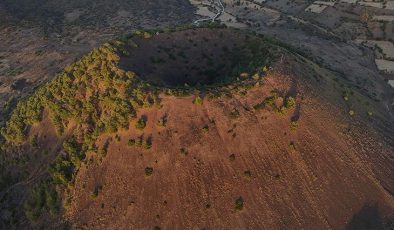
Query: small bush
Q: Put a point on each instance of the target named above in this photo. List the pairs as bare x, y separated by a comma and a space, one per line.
290, 102
141, 124
147, 144
281, 110
139, 141
34, 141
131, 142
292, 146
161, 122
96, 191
293, 125
247, 173
232, 157
351, 112
205, 129
234, 114
148, 171
198, 100
104, 150
239, 203
184, 151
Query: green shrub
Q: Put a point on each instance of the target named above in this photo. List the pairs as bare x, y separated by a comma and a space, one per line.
139, 141
268, 101
247, 173
290, 102
232, 157
147, 144
293, 125
96, 191
205, 129
74, 151
131, 142
141, 124
281, 110
184, 151
234, 114
34, 141
161, 122
292, 146
239, 203
198, 101
115, 95
62, 170
148, 171
104, 150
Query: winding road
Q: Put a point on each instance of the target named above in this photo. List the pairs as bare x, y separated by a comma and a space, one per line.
213, 18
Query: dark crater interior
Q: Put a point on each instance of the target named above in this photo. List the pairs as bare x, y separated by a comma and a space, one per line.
195, 57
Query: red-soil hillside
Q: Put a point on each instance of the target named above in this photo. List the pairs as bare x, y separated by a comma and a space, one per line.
300, 148
339, 172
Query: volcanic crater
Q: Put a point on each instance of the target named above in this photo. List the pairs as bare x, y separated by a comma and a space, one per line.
195, 57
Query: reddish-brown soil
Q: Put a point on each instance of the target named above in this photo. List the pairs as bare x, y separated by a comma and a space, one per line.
339, 173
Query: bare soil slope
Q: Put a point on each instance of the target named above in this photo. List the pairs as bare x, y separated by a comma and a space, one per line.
336, 169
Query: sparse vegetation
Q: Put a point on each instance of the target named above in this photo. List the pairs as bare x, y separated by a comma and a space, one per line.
42, 199
95, 95
278, 108
114, 96
140, 142
232, 157
34, 141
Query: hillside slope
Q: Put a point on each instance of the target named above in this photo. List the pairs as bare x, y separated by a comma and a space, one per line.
275, 143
